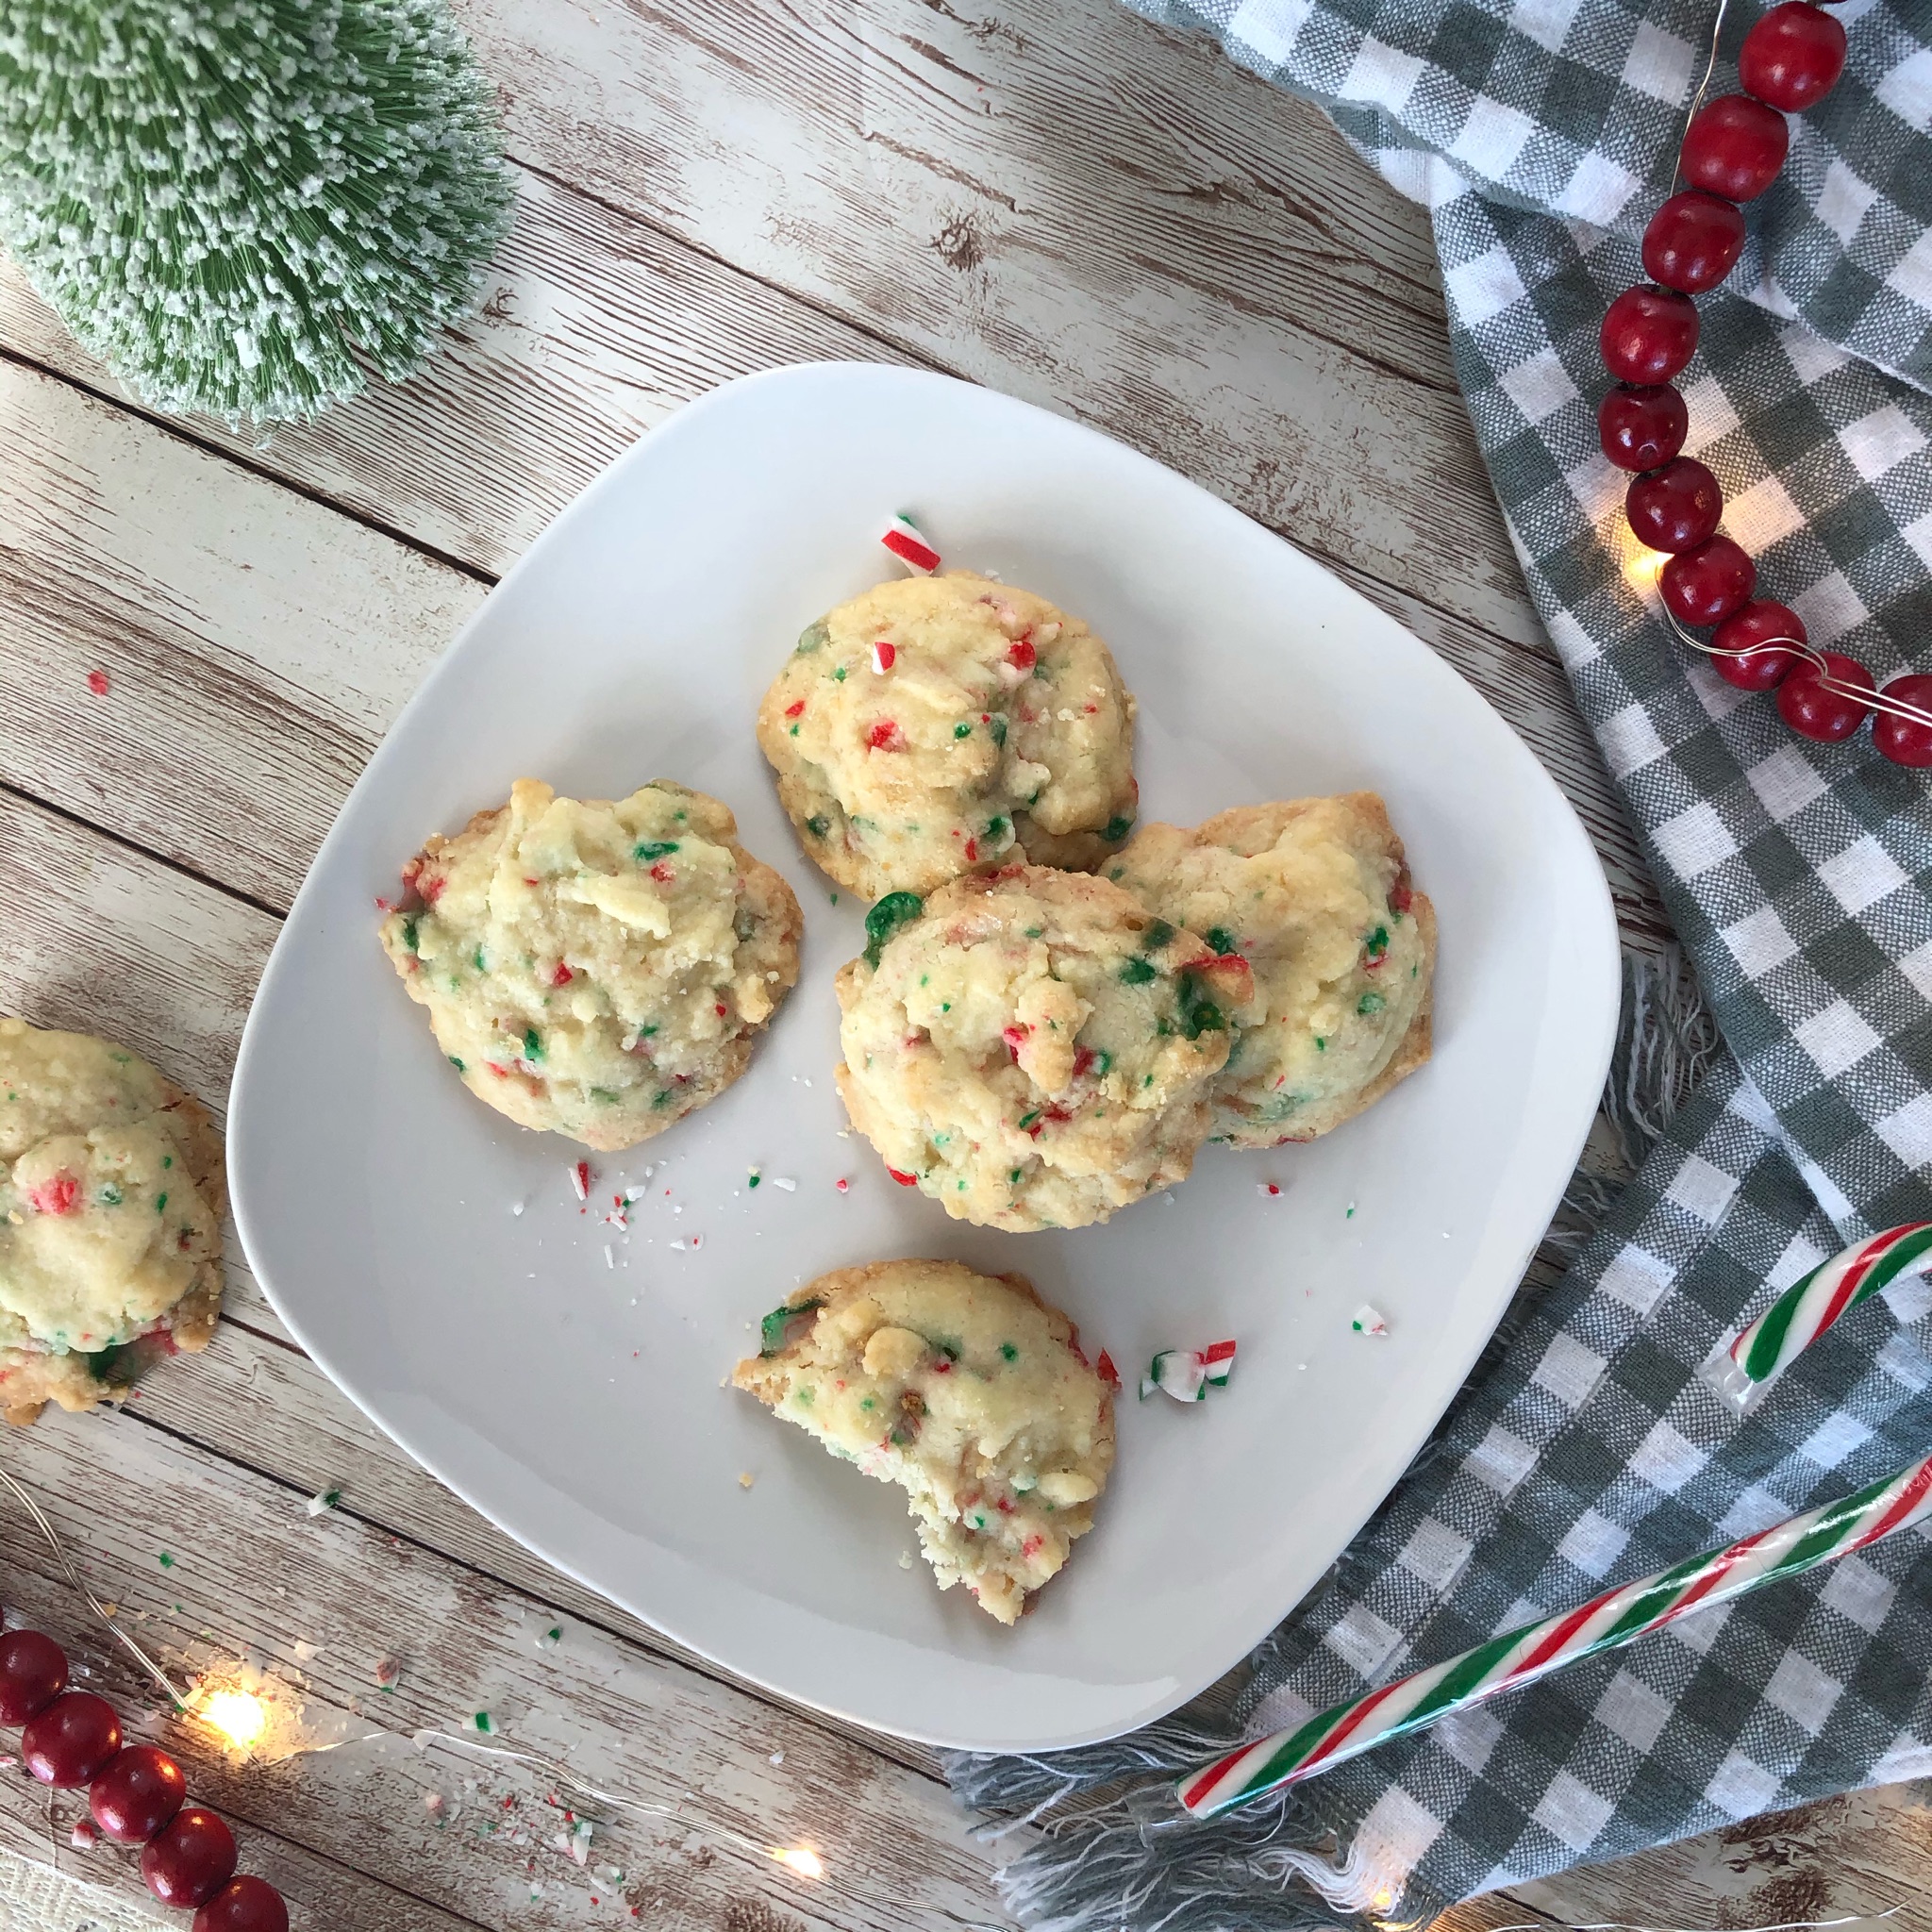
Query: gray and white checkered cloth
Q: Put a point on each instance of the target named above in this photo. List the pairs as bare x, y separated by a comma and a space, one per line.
1541, 134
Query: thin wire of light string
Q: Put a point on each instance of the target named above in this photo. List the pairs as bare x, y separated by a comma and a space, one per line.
1871, 699
1717, 29
1864, 695
179, 1698
552, 1768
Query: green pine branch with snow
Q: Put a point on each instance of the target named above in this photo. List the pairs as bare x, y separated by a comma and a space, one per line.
248, 207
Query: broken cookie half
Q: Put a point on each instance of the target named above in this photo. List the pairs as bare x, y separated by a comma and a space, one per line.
964, 1389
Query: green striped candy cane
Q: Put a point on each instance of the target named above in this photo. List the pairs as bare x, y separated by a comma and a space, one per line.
1518, 1656
1812, 1304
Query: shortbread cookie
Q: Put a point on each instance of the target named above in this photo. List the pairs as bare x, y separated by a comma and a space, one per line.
964, 1389
112, 1198
592, 969
941, 725
1314, 895
1034, 1049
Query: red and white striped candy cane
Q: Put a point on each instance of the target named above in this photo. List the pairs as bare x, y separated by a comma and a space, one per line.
1813, 1303
1518, 1656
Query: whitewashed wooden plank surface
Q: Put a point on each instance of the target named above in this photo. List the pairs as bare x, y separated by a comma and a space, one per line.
144, 573
251, 1576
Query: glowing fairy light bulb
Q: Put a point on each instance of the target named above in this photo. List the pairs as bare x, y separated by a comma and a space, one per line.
238, 1715
802, 1859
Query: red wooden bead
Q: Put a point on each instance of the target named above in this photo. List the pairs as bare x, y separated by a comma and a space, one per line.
191, 1859
33, 1671
1641, 428
1901, 740
67, 1744
1751, 626
1793, 57
1705, 585
243, 1905
1675, 508
1693, 241
136, 1794
1734, 147
1648, 334
1812, 711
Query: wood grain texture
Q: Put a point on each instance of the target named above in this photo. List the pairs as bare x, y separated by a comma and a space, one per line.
1142, 180
318, 1600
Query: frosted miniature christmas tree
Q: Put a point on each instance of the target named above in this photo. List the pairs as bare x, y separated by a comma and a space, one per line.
247, 207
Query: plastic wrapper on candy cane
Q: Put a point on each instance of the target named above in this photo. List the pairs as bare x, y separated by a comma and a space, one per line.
1747, 1366
1520, 1657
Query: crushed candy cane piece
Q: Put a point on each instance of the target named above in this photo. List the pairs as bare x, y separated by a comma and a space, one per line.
1187, 1373
322, 1501
433, 1802
843, 1186
387, 1673
904, 540
97, 683
786, 1182
84, 1836
1268, 1187
1105, 1369
581, 1180
1369, 1320
884, 654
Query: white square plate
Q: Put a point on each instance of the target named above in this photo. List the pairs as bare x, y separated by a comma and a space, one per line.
564, 1376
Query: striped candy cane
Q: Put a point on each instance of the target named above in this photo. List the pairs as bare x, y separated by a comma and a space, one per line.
1518, 1656
1811, 1305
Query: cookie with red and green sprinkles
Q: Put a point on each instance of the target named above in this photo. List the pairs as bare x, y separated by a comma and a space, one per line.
112, 1198
595, 968
937, 726
1034, 1049
964, 1389
1314, 895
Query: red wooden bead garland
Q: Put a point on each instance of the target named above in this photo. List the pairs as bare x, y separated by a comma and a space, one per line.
1675, 508
1792, 58
68, 1743
1817, 703
1704, 585
33, 1671
1641, 428
1693, 241
137, 1794
1906, 740
1648, 334
190, 1859
1751, 630
243, 1905
73, 1737
1734, 147
1731, 152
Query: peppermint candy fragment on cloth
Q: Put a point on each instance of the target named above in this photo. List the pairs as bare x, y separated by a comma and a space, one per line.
1187, 1373
904, 538
1369, 1320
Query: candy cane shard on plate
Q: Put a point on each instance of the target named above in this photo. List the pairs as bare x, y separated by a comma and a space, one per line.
1187, 1373
1615, 1617
1810, 1306
904, 538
